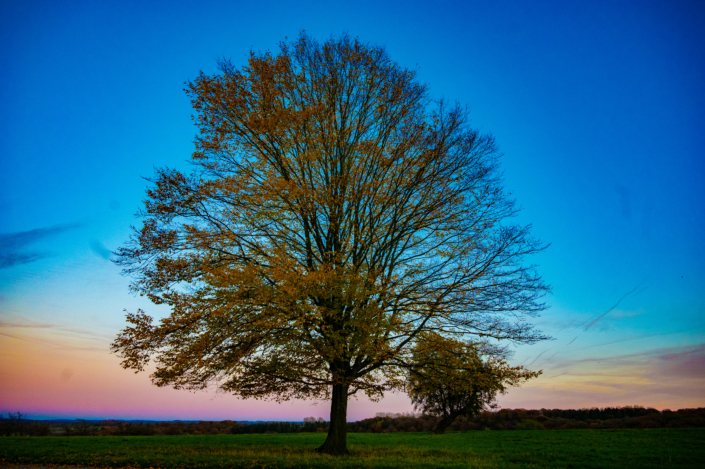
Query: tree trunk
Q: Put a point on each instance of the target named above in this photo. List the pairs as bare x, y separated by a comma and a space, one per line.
445, 422
336, 442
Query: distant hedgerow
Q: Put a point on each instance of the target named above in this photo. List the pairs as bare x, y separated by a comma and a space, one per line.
16, 424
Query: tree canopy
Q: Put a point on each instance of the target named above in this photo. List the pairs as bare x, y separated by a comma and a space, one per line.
334, 213
450, 378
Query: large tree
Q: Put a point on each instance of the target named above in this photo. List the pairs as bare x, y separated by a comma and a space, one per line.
335, 213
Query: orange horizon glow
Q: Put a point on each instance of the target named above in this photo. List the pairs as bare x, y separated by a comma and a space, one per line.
45, 374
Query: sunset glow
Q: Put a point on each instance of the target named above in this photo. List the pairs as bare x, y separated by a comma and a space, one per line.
597, 108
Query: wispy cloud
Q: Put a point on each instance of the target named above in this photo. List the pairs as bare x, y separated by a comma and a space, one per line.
633, 291
537, 357
21, 323
35, 340
99, 249
8, 259
688, 363
551, 357
671, 377
633, 338
684, 362
12, 243
31, 326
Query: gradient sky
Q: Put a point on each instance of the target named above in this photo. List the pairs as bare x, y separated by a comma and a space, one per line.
598, 107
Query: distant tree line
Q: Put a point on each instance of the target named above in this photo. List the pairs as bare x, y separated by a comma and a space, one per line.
16, 424
504, 419
604, 418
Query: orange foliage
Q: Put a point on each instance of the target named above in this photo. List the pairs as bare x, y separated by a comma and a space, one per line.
335, 213
450, 378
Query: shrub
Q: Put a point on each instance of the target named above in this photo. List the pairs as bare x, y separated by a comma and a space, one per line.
529, 425
575, 424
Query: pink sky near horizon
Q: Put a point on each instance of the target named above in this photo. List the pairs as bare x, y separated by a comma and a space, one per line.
43, 376
54, 373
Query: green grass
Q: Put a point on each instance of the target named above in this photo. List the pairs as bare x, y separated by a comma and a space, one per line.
643, 448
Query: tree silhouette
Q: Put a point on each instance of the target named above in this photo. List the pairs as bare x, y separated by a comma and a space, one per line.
451, 378
334, 213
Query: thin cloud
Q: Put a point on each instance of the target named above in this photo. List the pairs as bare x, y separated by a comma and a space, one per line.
27, 324
30, 326
633, 291
683, 364
55, 344
668, 355
559, 351
653, 375
549, 358
99, 249
569, 325
11, 243
8, 259
537, 357
636, 337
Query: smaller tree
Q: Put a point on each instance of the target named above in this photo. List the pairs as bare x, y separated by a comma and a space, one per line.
450, 378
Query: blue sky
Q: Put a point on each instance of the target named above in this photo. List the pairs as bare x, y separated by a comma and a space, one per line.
598, 107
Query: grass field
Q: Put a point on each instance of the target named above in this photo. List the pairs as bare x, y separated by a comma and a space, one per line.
643, 448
